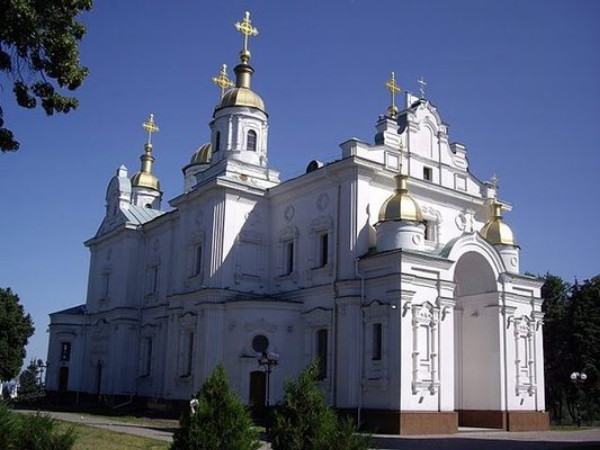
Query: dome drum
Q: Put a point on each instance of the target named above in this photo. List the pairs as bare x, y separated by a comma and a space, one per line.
395, 234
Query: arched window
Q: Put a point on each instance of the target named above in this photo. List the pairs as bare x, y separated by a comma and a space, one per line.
217, 141
251, 141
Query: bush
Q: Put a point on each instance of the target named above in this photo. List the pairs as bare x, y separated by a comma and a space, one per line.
304, 421
32, 432
220, 421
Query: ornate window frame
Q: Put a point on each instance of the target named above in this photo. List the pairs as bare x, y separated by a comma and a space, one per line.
425, 371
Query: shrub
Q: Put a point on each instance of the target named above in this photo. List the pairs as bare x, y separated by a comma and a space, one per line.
219, 422
32, 432
303, 421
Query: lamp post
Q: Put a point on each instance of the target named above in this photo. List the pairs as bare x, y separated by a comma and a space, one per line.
41, 367
578, 378
268, 360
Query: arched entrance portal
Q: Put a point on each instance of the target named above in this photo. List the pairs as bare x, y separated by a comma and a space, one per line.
478, 382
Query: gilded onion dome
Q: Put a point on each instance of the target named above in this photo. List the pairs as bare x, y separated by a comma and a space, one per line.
203, 155
495, 231
145, 178
401, 206
242, 94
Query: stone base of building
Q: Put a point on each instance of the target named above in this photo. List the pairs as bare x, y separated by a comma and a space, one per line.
505, 420
405, 422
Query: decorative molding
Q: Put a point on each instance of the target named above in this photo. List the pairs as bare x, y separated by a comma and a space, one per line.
260, 324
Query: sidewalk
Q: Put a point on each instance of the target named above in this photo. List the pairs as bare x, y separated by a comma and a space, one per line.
467, 440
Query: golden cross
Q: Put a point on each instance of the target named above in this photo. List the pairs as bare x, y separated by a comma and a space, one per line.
394, 89
150, 127
245, 27
222, 80
422, 85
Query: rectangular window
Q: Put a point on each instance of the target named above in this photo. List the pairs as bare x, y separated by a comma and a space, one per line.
427, 173
324, 249
322, 354
198, 261
289, 267
190, 353
377, 341
65, 351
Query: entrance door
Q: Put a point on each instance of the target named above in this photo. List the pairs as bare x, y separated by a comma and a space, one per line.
258, 392
63, 380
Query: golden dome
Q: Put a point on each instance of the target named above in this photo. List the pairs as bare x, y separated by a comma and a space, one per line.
240, 96
145, 180
401, 206
496, 231
203, 155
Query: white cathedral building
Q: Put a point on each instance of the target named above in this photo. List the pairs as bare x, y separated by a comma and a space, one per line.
392, 266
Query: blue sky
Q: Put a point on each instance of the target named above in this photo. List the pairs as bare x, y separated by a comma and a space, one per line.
517, 82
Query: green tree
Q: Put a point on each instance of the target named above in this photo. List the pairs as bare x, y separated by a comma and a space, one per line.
303, 421
555, 293
16, 328
38, 44
29, 388
32, 432
219, 420
584, 320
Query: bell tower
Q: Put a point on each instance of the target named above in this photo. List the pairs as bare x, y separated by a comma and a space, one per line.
239, 126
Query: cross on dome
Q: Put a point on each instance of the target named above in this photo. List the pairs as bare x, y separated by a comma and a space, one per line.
151, 127
222, 80
245, 27
394, 89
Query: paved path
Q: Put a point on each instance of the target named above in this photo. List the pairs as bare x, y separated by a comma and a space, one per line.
500, 440
494, 440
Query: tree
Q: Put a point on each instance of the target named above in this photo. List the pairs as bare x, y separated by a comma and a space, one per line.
38, 44
303, 421
218, 421
555, 293
32, 432
572, 344
16, 328
584, 319
29, 388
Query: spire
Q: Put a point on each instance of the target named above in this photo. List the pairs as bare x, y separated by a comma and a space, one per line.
394, 89
145, 178
243, 71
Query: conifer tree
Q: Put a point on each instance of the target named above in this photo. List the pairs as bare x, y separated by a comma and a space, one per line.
218, 421
304, 421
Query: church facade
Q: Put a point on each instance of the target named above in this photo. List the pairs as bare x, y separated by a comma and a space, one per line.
391, 266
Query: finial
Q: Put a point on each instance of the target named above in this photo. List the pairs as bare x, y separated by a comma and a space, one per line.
150, 127
422, 85
394, 89
245, 27
494, 182
222, 80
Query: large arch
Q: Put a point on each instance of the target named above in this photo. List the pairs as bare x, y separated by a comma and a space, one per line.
477, 331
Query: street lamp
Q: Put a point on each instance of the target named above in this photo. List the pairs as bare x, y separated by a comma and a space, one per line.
41, 367
268, 360
578, 378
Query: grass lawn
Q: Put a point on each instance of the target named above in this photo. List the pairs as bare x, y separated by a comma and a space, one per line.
92, 438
